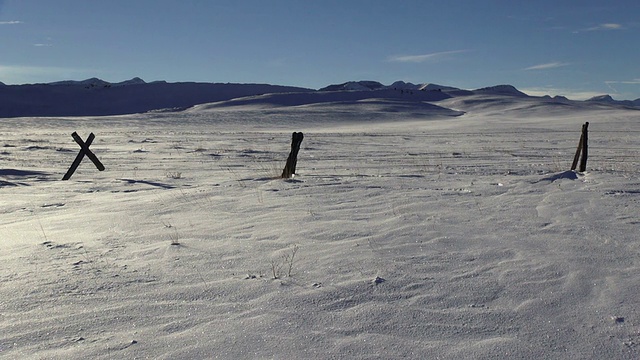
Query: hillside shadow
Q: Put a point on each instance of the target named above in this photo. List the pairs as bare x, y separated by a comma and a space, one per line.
14, 173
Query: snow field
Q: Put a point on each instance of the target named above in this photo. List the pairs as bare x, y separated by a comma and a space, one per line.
444, 237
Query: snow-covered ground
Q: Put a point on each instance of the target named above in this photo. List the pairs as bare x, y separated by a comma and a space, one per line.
409, 232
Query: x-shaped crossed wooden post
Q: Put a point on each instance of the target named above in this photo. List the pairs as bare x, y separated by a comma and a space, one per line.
84, 150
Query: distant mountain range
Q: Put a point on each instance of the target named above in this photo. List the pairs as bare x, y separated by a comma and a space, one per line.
96, 97
499, 89
607, 99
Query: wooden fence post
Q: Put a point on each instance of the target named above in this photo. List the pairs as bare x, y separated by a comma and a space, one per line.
292, 160
582, 151
585, 147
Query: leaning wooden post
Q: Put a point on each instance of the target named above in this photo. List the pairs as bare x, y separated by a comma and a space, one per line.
576, 157
292, 160
581, 150
585, 147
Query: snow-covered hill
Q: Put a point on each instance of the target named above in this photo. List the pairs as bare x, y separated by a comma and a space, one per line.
428, 100
383, 97
363, 85
96, 97
501, 89
368, 85
607, 99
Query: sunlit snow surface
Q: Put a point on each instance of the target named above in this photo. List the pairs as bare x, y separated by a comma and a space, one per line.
420, 234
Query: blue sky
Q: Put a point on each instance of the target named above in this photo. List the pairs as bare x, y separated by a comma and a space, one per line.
573, 48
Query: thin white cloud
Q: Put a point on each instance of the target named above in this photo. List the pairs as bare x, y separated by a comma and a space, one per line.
14, 22
551, 65
42, 45
602, 27
608, 26
423, 57
627, 82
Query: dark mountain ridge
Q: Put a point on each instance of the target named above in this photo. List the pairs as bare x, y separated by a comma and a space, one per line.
96, 97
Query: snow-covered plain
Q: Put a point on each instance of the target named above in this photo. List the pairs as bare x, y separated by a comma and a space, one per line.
415, 232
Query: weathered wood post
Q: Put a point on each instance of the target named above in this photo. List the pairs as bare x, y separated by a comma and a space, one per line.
292, 160
585, 147
582, 151
576, 157
84, 150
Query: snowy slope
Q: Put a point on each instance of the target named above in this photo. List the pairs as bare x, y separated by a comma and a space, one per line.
452, 238
384, 97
